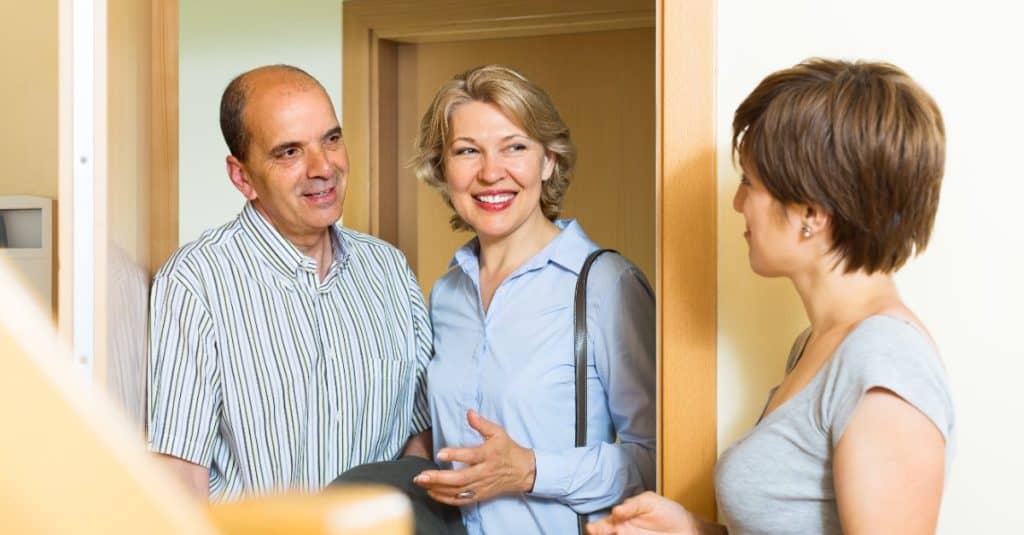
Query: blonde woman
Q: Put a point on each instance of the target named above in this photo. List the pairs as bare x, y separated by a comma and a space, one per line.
501, 383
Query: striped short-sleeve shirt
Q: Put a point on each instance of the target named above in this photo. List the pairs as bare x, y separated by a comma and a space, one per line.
274, 379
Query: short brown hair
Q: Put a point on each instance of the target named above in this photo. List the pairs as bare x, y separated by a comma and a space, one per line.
232, 107
525, 103
862, 141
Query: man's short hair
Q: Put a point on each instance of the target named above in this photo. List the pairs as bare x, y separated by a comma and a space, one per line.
860, 140
232, 107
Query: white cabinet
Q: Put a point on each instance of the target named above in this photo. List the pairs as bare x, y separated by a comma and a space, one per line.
26, 243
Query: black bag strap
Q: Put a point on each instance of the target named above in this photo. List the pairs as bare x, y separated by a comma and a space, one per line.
580, 349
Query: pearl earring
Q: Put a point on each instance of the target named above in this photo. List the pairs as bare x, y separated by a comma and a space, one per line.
805, 231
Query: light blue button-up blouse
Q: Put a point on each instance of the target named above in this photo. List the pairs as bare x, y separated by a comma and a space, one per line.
514, 365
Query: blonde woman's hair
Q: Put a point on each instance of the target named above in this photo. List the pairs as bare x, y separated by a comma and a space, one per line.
523, 102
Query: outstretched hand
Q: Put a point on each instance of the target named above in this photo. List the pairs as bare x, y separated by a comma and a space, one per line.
496, 467
648, 514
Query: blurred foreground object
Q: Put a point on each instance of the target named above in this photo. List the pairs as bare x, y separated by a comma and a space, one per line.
68, 464
357, 510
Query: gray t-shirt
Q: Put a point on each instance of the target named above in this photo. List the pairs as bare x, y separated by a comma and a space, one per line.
778, 478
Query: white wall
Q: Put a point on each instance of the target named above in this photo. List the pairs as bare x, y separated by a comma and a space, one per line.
967, 286
219, 40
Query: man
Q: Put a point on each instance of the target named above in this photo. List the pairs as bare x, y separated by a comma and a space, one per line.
285, 349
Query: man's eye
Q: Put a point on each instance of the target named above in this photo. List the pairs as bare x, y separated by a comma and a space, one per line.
334, 139
288, 153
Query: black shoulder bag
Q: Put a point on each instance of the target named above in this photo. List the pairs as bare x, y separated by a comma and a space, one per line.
580, 349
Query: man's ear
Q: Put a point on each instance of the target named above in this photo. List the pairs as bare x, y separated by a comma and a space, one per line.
240, 178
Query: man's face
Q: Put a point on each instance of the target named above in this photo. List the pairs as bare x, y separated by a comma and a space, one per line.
296, 166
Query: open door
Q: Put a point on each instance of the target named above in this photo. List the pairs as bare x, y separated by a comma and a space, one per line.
386, 41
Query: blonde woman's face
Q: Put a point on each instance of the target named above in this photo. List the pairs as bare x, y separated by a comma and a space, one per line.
494, 172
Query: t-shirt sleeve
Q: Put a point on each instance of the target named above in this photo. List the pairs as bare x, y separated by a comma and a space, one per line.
896, 358
183, 375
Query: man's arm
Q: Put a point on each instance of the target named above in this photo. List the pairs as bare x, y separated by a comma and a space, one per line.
420, 445
183, 385
194, 477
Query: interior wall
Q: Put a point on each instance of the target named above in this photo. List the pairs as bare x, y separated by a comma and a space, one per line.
966, 287
606, 98
29, 107
219, 40
28, 99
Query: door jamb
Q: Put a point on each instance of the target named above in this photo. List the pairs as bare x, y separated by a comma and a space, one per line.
686, 182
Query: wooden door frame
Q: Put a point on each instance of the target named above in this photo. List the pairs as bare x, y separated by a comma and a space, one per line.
373, 29
686, 178
686, 254
163, 179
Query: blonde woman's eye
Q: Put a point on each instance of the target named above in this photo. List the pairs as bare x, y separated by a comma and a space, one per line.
517, 147
464, 150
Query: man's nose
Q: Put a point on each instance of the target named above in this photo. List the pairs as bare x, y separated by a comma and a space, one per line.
318, 165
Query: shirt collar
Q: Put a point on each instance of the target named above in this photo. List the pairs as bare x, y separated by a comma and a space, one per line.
280, 252
569, 250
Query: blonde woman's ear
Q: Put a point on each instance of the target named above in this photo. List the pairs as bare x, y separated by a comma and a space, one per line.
549, 166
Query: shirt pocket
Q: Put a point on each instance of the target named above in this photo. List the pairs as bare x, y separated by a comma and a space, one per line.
376, 407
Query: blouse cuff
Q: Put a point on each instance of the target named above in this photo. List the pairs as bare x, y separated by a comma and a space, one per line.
552, 479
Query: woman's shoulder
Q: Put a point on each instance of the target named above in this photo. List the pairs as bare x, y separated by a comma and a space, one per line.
889, 338
611, 268
890, 353
449, 283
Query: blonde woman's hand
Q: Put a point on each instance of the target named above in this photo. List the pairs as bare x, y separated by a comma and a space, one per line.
498, 466
650, 514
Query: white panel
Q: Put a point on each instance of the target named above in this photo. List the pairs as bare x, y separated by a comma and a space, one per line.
26, 244
83, 62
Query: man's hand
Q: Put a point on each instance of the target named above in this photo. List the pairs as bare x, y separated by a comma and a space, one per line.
496, 467
195, 478
650, 514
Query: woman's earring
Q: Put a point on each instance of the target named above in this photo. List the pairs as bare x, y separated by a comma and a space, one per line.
805, 231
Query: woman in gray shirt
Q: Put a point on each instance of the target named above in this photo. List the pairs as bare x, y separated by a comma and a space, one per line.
842, 165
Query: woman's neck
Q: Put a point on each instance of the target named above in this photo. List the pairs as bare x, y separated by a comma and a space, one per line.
833, 299
501, 256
